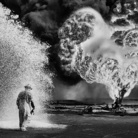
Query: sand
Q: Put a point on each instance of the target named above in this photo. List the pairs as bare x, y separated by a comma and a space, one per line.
78, 126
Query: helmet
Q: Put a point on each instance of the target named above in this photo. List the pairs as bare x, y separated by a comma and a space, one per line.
28, 86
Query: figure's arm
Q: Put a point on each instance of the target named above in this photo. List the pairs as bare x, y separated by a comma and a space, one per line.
33, 107
17, 101
32, 104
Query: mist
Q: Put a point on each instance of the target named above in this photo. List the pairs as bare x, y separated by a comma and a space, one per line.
89, 93
22, 59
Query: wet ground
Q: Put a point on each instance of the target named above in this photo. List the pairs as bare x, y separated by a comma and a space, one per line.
78, 126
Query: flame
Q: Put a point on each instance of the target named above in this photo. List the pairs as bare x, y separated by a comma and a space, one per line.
110, 64
82, 28
109, 71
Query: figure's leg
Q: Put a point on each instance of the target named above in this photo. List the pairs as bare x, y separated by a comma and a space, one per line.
27, 117
22, 121
25, 120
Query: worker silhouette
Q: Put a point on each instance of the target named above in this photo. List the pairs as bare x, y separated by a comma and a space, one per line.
26, 107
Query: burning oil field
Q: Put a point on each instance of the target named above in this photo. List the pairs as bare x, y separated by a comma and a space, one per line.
89, 48
80, 58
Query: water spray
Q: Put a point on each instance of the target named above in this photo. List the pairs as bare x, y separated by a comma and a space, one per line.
22, 60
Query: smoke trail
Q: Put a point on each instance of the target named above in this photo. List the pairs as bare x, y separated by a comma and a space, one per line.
22, 58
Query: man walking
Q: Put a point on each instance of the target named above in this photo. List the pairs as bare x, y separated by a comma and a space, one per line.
26, 107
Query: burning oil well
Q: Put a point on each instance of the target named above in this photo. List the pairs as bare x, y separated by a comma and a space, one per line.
89, 48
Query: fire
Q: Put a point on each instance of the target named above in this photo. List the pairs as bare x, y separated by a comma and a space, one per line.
114, 68
101, 60
77, 30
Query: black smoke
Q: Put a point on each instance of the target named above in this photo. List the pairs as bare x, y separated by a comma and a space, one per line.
45, 17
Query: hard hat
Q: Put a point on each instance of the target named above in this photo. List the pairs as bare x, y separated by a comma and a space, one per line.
28, 86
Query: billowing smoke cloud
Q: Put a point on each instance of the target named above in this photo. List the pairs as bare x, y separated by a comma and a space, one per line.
83, 28
45, 17
91, 54
110, 65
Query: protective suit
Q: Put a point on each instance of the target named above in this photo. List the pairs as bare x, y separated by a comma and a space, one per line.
26, 106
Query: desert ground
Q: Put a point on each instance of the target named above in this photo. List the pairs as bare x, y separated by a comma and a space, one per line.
79, 126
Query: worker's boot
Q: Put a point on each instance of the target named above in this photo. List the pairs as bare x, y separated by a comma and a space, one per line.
23, 129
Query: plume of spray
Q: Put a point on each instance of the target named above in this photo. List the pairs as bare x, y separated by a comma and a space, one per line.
22, 58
